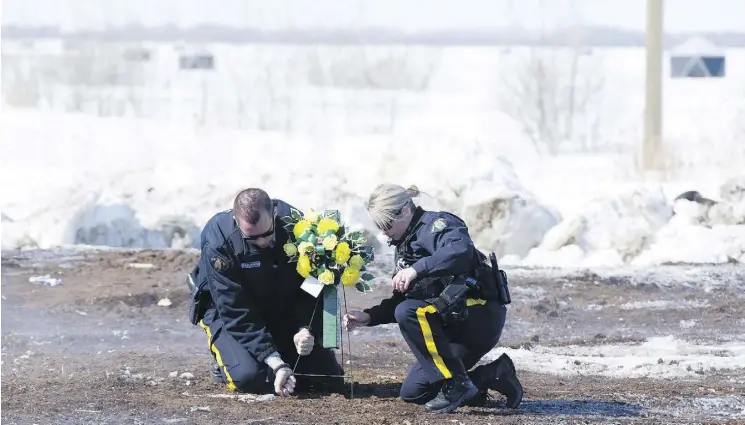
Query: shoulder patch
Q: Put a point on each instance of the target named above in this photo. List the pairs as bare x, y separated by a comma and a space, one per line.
438, 225
218, 264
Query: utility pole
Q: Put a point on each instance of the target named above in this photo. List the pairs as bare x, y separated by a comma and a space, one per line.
653, 102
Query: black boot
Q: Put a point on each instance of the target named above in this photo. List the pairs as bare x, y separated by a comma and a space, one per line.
215, 371
500, 375
453, 394
479, 400
482, 382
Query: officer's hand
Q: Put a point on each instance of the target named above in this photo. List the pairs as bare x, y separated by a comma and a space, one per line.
284, 381
304, 342
355, 319
403, 278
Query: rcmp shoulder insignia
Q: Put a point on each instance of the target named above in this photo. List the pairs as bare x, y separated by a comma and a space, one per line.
438, 225
219, 264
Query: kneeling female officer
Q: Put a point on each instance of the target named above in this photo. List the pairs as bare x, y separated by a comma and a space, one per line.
434, 257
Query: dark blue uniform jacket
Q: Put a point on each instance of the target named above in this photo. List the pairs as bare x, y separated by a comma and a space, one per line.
256, 292
436, 244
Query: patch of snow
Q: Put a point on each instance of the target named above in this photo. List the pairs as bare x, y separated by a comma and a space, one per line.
679, 359
528, 292
663, 305
733, 190
624, 222
689, 243
164, 302
567, 256
510, 260
707, 407
45, 280
609, 232
689, 212
502, 215
565, 233
687, 324
654, 305
603, 258
709, 277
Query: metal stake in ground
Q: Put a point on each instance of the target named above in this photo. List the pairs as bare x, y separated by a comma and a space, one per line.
349, 345
312, 315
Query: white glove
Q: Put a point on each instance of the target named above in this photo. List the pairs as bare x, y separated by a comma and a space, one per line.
303, 342
284, 381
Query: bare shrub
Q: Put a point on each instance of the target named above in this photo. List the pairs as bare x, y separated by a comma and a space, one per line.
21, 84
390, 68
85, 77
552, 93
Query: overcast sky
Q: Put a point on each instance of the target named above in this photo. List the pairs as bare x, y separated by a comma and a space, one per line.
680, 15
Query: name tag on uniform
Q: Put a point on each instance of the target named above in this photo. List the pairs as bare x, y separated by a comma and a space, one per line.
251, 265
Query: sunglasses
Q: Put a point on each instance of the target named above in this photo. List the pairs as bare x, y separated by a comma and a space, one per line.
266, 234
389, 224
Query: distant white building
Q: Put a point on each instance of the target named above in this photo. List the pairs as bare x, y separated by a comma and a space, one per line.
197, 61
697, 58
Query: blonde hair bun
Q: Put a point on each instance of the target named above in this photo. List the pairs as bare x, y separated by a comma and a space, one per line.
387, 200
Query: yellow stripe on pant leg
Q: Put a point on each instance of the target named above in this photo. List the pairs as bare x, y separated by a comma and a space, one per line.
429, 340
475, 301
231, 384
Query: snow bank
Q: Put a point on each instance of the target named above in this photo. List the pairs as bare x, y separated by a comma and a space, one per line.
504, 216
640, 227
658, 357
76, 179
702, 233
129, 183
609, 232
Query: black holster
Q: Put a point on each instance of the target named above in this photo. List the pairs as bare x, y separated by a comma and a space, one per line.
199, 297
500, 277
451, 303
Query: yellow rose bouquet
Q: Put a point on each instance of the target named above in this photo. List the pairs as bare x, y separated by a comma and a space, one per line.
322, 248
325, 250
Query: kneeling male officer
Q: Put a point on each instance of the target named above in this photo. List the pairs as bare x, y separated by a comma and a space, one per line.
247, 298
448, 303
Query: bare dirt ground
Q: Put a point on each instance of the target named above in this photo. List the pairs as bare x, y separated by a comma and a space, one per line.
98, 349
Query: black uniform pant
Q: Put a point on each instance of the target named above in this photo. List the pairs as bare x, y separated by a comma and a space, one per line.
445, 352
243, 373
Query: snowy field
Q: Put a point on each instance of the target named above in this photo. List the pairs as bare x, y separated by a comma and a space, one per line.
105, 153
101, 151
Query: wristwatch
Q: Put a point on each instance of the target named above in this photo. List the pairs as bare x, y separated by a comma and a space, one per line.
280, 366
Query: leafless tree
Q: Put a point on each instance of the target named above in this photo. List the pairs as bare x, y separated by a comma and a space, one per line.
21, 84
99, 78
551, 91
